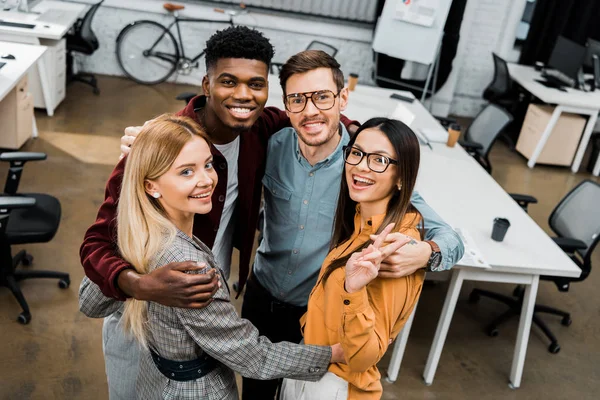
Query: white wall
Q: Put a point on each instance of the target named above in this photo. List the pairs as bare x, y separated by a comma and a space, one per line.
486, 27
487, 24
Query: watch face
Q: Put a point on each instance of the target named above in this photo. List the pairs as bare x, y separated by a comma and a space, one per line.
436, 259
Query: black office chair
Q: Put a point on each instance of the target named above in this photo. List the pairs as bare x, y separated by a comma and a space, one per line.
483, 131
503, 92
576, 221
275, 66
83, 40
25, 218
314, 45
500, 89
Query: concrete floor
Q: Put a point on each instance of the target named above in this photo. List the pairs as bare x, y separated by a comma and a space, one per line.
59, 354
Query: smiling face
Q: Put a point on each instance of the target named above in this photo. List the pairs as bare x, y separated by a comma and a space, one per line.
187, 187
371, 189
316, 127
237, 90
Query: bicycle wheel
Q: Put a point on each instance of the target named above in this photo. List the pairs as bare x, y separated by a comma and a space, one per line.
147, 52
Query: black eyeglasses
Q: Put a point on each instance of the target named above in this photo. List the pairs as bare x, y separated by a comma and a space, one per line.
376, 162
322, 99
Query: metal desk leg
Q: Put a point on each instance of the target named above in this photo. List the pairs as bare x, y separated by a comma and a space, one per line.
516, 372
443, 325
46, 89
596, 170
34, 131
399, 347
585, 139
549, 128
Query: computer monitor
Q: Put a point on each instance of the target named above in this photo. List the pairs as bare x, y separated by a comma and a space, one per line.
567, 57
592, 47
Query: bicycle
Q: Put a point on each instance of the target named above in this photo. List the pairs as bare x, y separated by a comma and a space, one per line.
165, 55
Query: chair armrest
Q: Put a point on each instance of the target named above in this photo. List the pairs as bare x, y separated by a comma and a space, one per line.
276, 68
18, 156
445, 121
523, 200
470, 146
17, 160
569, 245
186, 96
11, 202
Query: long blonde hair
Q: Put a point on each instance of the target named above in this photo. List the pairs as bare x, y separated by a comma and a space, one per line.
144, 230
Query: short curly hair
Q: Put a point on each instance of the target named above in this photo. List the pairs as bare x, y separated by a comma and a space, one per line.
238, 42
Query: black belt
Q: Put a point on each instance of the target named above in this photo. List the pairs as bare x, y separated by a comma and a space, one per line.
275, 304
184, 370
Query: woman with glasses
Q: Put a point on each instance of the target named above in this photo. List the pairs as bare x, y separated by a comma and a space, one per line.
350, 304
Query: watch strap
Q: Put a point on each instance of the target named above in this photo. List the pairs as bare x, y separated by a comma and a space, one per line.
434, 247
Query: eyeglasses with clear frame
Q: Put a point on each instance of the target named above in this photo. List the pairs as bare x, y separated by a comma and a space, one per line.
376, 162
322, 99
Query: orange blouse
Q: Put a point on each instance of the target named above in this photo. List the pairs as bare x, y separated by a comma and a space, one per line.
365, 322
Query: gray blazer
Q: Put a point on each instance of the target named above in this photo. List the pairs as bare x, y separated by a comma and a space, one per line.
182, 334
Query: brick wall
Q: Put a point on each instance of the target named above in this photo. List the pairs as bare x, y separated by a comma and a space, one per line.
482, 31
481, 35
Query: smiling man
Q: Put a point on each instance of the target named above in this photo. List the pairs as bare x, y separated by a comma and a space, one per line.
302, 182
233, 115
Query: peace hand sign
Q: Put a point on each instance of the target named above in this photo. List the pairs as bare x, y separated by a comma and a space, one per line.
363, 267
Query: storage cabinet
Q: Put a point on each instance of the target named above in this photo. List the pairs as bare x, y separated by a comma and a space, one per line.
56, 68
16, 114
563, 141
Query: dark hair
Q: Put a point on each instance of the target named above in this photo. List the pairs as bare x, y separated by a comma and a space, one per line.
238, 42
406, 146
309, 60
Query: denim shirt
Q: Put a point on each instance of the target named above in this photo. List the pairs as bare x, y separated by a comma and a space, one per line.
300, 202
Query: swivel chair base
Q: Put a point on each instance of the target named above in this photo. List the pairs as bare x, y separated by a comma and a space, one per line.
515, 304
9, 278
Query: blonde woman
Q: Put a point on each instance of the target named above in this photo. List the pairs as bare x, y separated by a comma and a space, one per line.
190, 353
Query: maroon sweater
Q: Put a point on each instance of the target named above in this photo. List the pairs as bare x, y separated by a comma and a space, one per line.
99, 254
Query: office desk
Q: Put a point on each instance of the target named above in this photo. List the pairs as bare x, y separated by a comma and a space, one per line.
467, 197
571, 101
26, 56
51, 78
471, 200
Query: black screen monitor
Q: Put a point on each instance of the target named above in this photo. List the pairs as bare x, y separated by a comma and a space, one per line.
592, 47
567, 57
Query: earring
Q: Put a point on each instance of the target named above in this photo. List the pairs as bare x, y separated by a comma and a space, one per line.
399, 187
156, 195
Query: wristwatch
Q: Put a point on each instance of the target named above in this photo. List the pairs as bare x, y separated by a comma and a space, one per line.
436, 256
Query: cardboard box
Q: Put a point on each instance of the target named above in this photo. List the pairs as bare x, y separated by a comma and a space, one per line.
562, 144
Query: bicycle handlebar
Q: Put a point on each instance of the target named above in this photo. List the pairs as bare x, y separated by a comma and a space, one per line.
232, 13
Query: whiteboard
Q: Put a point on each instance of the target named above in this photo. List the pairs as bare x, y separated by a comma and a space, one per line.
406, 40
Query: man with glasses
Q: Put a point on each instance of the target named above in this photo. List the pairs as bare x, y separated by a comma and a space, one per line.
302, 181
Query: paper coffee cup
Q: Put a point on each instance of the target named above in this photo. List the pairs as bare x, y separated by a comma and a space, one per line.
352, 81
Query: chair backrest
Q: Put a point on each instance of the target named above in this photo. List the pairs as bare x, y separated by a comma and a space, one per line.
85, 28
501, 83
327, 48
577, 216
486, 127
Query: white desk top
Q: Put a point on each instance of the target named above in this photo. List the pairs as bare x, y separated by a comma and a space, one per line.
25, 56
526, 76
44, 30
467, 197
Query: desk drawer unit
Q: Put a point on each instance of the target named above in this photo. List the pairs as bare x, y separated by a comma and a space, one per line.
563, 141
56, 66
16, 114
